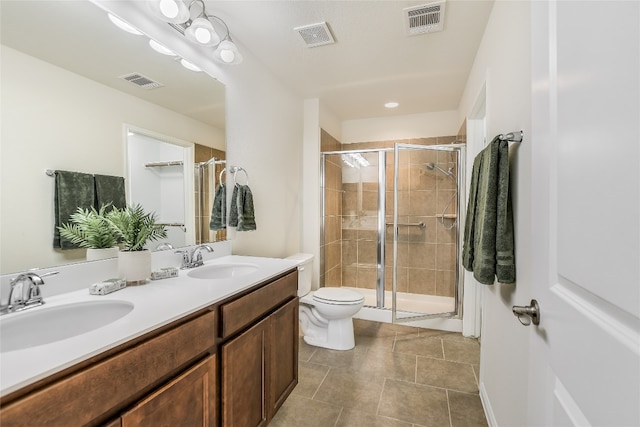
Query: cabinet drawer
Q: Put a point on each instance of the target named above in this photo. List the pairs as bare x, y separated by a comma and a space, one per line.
87, 395
188, 400
240, 313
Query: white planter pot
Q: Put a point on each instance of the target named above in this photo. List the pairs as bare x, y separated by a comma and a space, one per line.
134, 266
98, 254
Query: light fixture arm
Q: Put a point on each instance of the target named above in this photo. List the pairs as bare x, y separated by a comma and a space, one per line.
203, 13
226, 28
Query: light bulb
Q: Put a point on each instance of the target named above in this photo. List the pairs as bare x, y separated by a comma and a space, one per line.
189, 66
169, 8
124, 25
203, 36
160, 48
227, 55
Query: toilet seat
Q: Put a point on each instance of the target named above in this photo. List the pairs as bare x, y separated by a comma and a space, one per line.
337, 296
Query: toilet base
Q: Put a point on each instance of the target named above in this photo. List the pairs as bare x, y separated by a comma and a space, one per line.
337, 336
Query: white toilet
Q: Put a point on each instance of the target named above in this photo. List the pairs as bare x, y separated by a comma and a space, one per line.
325, 314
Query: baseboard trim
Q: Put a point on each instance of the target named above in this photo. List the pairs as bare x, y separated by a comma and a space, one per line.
486, 404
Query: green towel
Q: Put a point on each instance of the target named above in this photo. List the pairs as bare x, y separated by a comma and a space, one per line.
242, 215
246, 213
219, 209
110, 189
233, 211
72, 190
488, 248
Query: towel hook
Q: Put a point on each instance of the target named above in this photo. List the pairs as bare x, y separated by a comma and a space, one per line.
220, 176
235, 170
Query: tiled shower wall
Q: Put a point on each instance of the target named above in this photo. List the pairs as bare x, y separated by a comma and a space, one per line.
203, 209
426, 256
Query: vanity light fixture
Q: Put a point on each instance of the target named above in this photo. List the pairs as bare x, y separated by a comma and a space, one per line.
355, 160
200, 29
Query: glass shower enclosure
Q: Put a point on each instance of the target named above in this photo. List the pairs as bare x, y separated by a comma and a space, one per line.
390, 227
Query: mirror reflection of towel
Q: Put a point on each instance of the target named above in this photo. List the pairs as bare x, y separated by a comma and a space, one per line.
242, 214
219, 209
110, 189
72, 190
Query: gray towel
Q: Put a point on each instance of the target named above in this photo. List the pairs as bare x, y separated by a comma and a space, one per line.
242, 214
488, 248
219, 209
72, 190
110, 189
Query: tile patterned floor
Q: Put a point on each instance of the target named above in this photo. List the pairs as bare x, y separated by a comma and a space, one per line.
396, 376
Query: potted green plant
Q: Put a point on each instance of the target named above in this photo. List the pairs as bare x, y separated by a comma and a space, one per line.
88, 228
134, 229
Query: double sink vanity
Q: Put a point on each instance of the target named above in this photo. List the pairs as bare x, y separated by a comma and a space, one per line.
217, 345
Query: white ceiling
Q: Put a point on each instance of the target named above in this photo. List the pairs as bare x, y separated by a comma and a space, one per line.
78, 36
373, 60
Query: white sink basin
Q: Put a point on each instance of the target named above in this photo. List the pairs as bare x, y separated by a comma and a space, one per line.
38, 326
222, 271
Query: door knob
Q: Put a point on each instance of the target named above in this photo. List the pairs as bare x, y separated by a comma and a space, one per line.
527, 314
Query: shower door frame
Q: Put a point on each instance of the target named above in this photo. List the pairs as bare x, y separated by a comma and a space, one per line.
381, 220
460, 152
459, 149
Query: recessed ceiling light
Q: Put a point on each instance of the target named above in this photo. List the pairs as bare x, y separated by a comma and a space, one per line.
391, 105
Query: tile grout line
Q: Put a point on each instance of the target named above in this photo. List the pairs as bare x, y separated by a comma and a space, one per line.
339, 415
321, 382
384, 383
449, 409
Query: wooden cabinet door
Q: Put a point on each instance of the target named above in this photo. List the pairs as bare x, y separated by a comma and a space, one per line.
188, 400
244, 378
283, 372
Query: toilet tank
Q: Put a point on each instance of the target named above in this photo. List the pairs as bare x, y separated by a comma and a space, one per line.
305, 271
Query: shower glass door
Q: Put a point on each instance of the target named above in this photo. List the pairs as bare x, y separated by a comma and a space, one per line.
427, 203
390, 227
353, 222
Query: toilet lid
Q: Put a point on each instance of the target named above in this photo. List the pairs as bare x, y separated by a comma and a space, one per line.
332, 295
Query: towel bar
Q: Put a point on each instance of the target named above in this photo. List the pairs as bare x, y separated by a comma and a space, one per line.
235, 169
409, 224
173, 224
512, 136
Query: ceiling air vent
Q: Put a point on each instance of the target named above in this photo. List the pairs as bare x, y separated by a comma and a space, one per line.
427, 18
315, 34
141, 81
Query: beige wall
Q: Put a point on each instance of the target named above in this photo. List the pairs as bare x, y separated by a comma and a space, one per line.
54, 119
503, 67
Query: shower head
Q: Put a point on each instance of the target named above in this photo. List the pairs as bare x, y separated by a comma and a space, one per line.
449, 173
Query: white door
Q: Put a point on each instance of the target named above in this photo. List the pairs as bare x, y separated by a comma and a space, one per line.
585, 354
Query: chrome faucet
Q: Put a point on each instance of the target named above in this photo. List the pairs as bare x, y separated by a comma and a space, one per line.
25, 292
193, 258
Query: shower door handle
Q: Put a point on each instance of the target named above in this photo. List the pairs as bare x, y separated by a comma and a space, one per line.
530, 313
408, 224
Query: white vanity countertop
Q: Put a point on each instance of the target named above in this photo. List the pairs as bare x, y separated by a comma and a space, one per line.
156, 303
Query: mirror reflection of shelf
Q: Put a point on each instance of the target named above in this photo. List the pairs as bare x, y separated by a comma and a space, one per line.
162, 164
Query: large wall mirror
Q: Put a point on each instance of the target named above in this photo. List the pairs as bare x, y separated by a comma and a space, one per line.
65, 106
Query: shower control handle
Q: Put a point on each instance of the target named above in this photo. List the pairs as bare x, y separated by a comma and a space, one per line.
530, 313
